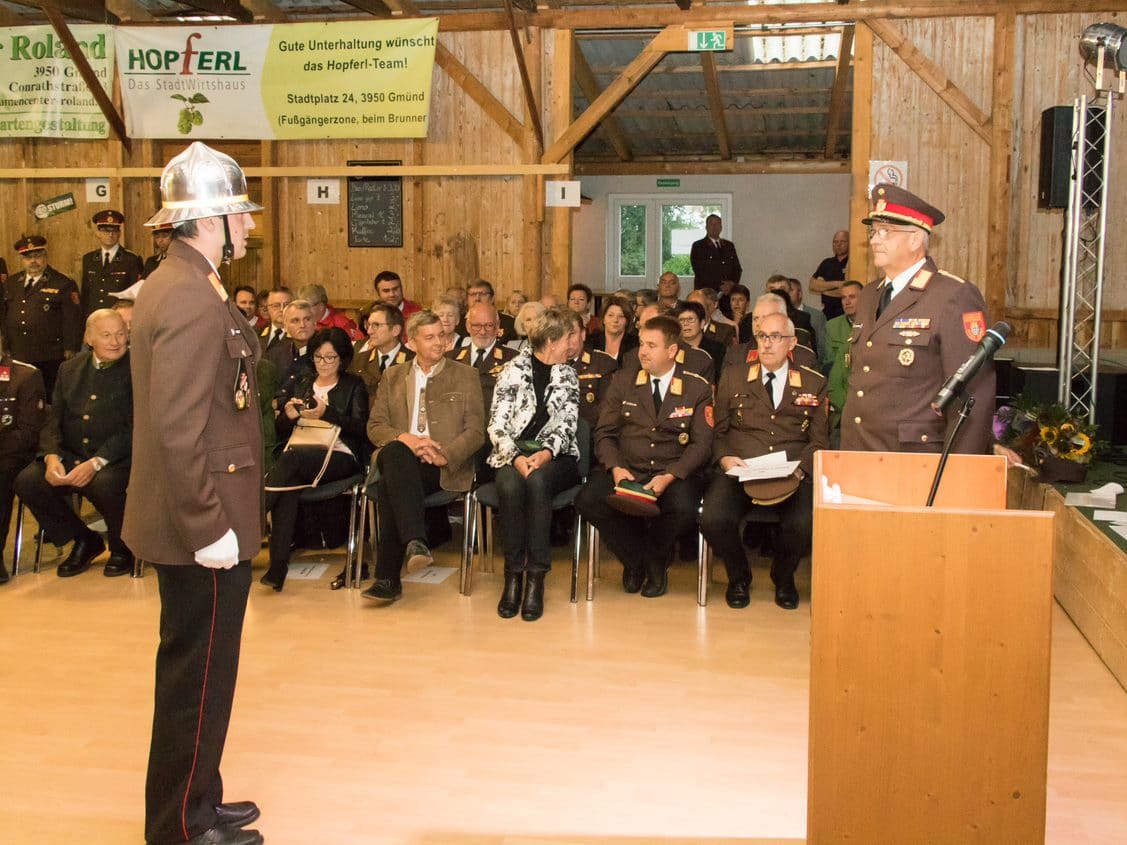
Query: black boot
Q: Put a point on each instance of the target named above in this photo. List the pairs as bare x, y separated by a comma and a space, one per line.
533, 607
275, 577
510, 597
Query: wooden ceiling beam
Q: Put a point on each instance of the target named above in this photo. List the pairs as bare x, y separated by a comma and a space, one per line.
684, 5
754, 67
226, 8
402, 8
699, 113
696, 167
837, 93
264, 10
531, 105
591, 90
934, 77
94, 11
375, 8
476, 90
715, 103
129, 10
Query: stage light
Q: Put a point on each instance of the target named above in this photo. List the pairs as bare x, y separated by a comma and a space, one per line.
1110, 36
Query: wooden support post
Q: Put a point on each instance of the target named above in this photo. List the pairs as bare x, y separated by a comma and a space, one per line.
272, 199
589, 85
477, 92
716, 104
837, 93
559, 219
532, 195
531, 105
1001, 143
860, 152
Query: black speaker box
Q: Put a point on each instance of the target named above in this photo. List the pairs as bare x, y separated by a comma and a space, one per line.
1056, 156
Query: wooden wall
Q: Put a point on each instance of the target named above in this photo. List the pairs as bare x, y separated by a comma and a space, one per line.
949, 164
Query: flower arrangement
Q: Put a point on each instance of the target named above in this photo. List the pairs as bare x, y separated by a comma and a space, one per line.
1046, 433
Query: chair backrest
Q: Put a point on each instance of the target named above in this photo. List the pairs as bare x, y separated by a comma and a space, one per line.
583, 438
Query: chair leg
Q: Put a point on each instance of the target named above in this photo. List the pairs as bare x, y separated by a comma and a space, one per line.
467, 562
592, 558
704, 569
350, 555
40, 539
17, 545
489, 535
138, 568
467, 529
352, 579
575, 557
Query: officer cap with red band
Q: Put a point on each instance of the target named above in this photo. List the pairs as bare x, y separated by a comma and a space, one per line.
895, 205
108, 217
30, 243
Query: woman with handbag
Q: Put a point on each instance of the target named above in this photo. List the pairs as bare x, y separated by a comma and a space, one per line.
532, 426
324, 423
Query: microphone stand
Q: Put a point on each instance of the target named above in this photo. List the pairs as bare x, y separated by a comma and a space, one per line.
963, 414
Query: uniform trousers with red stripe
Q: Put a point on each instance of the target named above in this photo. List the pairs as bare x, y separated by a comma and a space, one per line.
201, 627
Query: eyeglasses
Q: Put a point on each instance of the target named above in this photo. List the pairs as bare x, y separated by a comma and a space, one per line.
774, 337
883, 232
326, 359
482, 327
688, 321
373, 325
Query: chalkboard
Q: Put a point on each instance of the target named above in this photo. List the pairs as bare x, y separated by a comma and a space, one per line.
375, 211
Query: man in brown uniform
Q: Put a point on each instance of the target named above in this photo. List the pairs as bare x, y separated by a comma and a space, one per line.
22, 414
910, 333
111, 267
656, 429
195, 502
594, 368
763, 406
484, 351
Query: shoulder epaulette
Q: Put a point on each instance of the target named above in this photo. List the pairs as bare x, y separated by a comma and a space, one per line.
697, 376
811, 371
953, 276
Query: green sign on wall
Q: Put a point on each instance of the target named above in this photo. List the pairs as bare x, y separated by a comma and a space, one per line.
669, 183
708, 40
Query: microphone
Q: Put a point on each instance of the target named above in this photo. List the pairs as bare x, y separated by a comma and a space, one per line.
994, 339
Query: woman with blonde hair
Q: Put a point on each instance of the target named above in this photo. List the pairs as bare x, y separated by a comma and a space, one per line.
525, 315
449, 313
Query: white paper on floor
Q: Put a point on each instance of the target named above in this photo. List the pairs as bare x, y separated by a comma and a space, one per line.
1120, 529
1101, 497
431, 575
306, 571
1110, 516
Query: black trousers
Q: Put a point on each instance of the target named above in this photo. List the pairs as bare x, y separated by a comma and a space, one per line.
9, 469
297, 466
404, 483
50, 371
640, 543
526, 511
52, 505
725, 503
201, 628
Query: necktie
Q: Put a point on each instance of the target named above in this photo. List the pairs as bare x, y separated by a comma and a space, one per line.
29, 284
480, 359
274, 338
105, 259
769, 383
885, 298
383, 363
657, 396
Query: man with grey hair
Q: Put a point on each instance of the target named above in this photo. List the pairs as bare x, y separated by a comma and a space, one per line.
300, 324
325, 316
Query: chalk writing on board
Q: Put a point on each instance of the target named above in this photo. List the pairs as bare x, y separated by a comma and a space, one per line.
375, 211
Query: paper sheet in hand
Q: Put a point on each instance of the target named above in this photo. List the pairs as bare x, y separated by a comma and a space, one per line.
772, 465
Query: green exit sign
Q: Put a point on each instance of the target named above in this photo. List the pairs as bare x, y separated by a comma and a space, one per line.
669, 183
708, 40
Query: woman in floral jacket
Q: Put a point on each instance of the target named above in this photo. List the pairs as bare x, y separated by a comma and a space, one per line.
532, 427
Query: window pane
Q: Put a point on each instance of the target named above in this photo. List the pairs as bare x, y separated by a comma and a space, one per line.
632, 240
680, 226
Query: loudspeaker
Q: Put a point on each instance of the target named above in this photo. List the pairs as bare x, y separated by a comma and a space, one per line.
1056, 156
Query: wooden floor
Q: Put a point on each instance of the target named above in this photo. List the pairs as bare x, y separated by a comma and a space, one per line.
626, 720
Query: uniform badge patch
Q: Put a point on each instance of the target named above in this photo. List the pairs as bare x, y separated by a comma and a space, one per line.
907, 356
809, 399
590, 397
683, 438
681, 412
5, 373
912, 323
708, 418
974, 324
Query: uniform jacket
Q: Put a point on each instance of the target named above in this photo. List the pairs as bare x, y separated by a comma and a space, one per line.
22, 410
722, 333
197, 456
748, 353
594, 369
491, 367
692, 359
91, 412
98, 281
514, 407
598, 342
803, 329
42, 324
151, 263
347, 407
455, 415
748, 425
838, 331
366, 364
716, 351
714, 264
899, 361
677, 440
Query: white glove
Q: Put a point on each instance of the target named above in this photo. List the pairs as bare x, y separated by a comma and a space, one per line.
222, 554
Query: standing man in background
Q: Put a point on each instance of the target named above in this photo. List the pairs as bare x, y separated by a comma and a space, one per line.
714, 259
162, 237
827, 279
194, 508
111, 267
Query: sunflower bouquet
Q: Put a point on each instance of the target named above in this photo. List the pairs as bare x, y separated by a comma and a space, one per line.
1045, 433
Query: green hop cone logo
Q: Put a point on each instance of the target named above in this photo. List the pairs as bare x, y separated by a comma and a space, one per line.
189, 115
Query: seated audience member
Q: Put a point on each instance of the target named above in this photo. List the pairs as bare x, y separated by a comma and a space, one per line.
739, 300
594, 369
291, 356
668, 291
275, 333
550, 300
761, 407
644, 297
724, 332
515, 301
458, 294
817, 322
449, 315
124, 309
261, 312
768, 303
246, 300
655, 429
86, 445
524, 317
617, 336
22, 414
330, 394
804, 330
532, 427
427, 423
694, 360
389, 290
691, 317
724, 303
325, 315
581, 300
838, 331
383, 348
482, 351
481, 293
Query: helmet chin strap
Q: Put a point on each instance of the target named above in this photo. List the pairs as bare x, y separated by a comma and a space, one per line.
228, 247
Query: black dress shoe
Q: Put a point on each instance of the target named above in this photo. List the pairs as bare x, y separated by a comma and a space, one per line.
341, 580
632, 579
533, 606
219, 835
273, 580
657, 584
510, 597
738, 595
384, 589
86, 547
118, 565
4, 576
786, 595
236, 814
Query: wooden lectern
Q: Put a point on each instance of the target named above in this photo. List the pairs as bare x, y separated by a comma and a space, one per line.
929, 677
